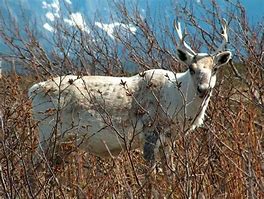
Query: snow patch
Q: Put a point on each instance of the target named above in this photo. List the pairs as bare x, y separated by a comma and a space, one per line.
55, 5
48, 27
44, 4
53, 10
51, 16
77, 20
116, 28
68, 1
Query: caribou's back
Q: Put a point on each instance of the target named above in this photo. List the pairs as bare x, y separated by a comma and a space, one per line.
99, 112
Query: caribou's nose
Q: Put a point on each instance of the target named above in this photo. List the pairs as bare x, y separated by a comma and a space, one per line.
201, 91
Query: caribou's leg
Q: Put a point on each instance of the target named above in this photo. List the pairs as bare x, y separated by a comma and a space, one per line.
165, 151
149, 153
150, 146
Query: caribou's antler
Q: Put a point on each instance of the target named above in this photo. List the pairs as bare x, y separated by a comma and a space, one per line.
183, 45
224, 34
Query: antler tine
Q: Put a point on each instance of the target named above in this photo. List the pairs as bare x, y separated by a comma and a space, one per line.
182, 36
224, 34
225, 30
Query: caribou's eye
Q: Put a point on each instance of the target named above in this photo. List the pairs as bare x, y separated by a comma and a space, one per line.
191, 69
215, 70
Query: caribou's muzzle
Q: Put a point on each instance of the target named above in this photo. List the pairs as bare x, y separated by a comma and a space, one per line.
202, 91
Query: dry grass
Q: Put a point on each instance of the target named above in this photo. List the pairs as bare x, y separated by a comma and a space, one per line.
222, 160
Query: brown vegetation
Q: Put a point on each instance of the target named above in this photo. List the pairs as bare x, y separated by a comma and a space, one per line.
224, 159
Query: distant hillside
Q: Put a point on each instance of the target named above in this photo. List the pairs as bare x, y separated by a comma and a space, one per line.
42, 15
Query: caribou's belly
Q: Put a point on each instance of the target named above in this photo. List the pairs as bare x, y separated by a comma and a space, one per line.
102, 133
101, 143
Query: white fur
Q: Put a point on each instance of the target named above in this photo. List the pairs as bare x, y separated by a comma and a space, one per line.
108, 114
113, 113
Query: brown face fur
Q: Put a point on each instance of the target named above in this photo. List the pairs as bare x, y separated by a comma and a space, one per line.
205, 62
202, 75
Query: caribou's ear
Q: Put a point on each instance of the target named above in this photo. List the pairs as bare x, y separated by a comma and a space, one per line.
184, 56
222, 58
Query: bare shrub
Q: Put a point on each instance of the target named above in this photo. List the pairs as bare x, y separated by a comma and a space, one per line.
224, 159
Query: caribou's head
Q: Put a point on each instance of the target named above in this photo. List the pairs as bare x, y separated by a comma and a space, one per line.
202, 66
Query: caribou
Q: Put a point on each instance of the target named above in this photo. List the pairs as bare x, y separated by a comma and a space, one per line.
105, 115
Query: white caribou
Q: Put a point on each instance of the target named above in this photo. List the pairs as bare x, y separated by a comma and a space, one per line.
105, 115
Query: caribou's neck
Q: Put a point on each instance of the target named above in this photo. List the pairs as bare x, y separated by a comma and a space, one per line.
187, 86
193, 106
